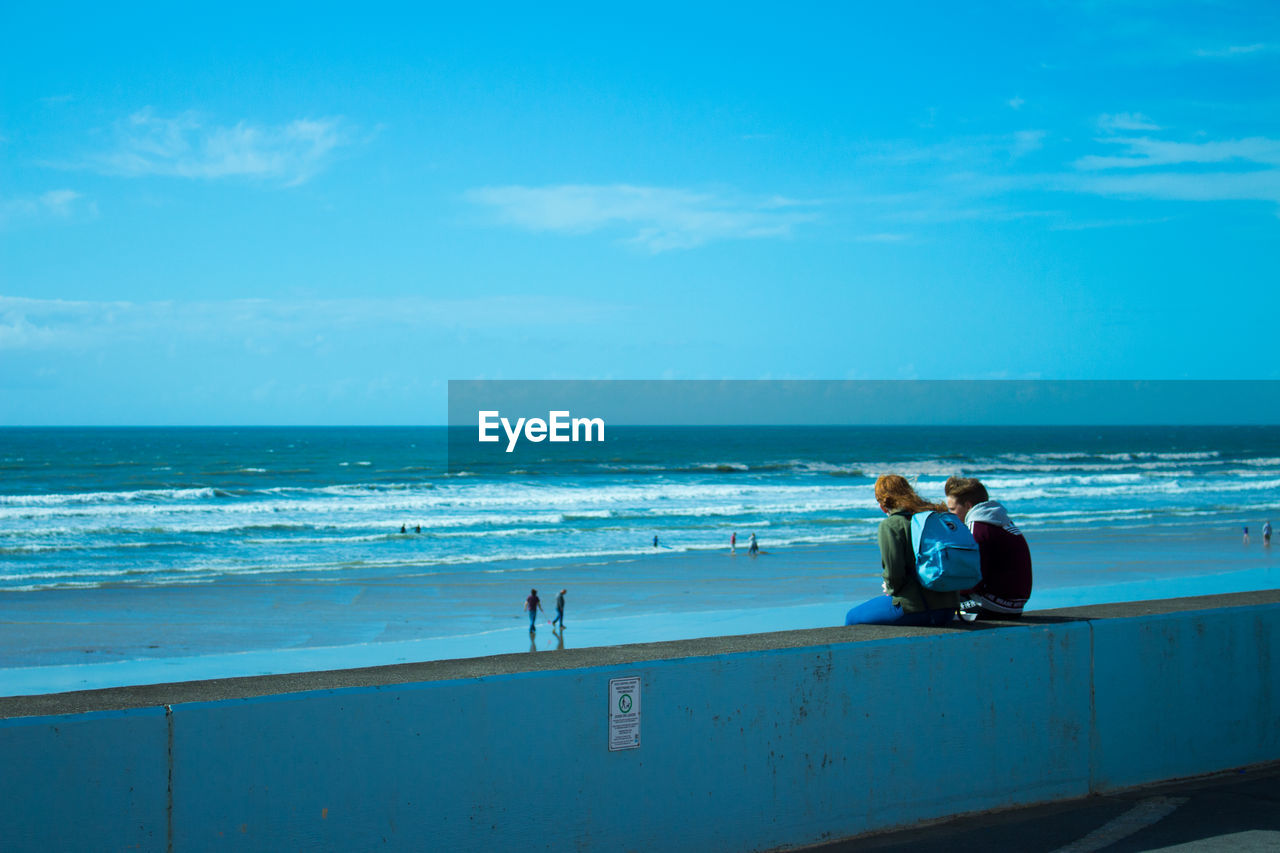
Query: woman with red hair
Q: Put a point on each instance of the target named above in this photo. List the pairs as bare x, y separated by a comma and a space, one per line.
906, 602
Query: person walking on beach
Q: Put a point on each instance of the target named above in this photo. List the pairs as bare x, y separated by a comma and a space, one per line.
533, 604
559, 610
1266, 533
1006, 560
906, 601
754, 548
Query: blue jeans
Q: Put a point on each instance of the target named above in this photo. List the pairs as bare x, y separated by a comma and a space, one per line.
882, 611
559, 618
533, 618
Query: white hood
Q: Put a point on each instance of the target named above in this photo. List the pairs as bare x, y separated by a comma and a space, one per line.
991, 512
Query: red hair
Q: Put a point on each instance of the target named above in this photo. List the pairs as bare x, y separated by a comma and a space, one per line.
893, 492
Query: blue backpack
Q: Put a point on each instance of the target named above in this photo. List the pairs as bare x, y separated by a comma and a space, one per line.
947, 557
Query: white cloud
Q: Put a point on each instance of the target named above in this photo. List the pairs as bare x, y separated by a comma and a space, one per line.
59, 202
657, 218
1181, 186
185, 146
56, 323
54, 204
1126, 121
1245, 169
971, 151
1015, 103
1091, 224
1026, 141
16, 332
981, 177
1232, 51
1144, 152
883, 238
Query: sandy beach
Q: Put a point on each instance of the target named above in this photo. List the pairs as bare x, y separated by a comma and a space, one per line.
77, 639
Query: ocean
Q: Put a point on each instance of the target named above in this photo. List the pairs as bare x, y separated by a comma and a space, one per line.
189, 529
161, 507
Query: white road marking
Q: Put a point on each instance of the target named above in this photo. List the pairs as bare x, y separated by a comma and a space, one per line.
1250, 841
1139, 817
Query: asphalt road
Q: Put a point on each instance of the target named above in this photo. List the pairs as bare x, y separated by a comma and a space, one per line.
1235, 812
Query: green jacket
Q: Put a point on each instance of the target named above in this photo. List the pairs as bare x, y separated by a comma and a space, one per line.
898, 560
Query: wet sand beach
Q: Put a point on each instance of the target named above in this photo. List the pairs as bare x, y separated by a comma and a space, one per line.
65, 639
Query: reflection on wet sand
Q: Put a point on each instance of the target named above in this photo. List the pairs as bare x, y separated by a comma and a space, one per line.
559, 635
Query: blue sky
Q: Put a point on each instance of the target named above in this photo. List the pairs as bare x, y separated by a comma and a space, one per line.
321, 213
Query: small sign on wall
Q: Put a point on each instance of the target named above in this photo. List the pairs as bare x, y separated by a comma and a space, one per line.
624, 713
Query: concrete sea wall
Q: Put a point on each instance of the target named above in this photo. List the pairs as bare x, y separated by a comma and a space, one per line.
746, 743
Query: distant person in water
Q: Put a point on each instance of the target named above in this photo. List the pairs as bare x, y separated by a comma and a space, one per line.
559, 609
906, 601
533, 604
417, 528
1006, 559
754, 548
1246, 534
733, 543
1266, 532
402, 530
655, 540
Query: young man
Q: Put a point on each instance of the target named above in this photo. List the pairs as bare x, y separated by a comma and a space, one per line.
1006, 559
559, 610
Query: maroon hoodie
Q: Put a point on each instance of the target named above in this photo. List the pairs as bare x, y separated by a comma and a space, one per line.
1006, 559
